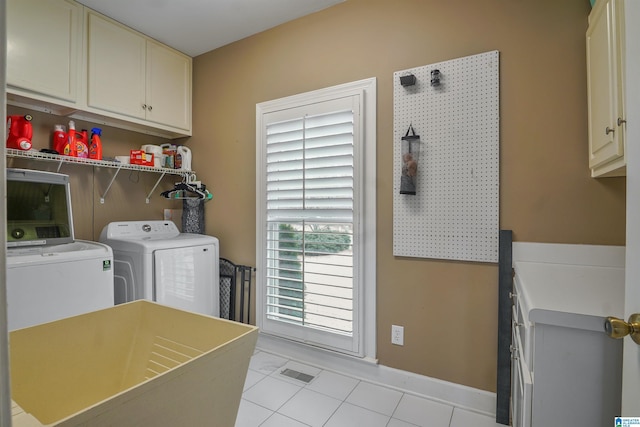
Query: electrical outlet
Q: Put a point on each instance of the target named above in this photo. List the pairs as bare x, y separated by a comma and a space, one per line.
397, 335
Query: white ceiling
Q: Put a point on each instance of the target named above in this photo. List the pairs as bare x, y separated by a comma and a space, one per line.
198, 26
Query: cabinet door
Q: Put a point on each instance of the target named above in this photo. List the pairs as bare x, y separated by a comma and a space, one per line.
116, 69
604, 79
168, 86
44, 47
521, 385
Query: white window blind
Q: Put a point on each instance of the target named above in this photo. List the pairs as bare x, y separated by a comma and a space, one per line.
310, 221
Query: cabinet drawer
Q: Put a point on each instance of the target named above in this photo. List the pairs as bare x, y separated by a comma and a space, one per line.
521, 385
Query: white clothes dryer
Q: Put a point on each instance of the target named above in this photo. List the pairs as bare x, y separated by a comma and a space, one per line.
154, 261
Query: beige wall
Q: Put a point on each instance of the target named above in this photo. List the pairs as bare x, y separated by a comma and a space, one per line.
448, 309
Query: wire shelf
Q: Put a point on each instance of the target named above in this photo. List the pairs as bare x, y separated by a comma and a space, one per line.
36, 155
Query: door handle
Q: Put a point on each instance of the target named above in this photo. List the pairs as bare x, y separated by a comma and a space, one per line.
618, 328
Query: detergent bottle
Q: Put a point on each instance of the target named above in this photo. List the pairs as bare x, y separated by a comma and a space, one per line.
72, 148
19, 132
59, 139
95, 148
184, 155
82, 143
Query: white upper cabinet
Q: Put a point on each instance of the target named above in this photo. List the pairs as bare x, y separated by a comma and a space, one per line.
44, 50
168, 86
606, 89
67, 59
134, 76
116, 68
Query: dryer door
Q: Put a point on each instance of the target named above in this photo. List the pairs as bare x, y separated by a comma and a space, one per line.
186, 278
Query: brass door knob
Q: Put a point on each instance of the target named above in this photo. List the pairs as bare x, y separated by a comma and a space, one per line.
618, 328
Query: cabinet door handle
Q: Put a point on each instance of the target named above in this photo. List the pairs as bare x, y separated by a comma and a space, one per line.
608, 130
144, 107
149, 107
621, 121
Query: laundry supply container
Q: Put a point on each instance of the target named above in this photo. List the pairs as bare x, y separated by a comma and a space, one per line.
135, 364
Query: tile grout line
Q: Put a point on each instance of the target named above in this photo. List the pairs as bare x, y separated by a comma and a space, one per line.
343, 402
451, 418
254, 384
396, 408
259, 381
282, 415
294, 395
333, 413
314, 391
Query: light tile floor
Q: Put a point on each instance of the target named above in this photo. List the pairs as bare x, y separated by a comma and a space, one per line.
271, 399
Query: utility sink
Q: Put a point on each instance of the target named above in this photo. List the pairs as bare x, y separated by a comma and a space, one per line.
135, 364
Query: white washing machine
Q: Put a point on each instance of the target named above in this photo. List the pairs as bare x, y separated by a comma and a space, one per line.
50, 275
154, 261
48, 283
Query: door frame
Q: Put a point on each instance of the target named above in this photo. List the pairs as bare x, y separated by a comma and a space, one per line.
5, 392
631, 366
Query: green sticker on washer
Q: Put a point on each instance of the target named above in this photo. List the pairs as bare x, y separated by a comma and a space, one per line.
106, 265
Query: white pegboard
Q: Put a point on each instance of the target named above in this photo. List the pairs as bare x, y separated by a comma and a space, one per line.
455, 212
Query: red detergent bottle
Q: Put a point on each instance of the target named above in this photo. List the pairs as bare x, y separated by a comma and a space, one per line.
82, 144
72, 148
19, 132
95, 148
59, 139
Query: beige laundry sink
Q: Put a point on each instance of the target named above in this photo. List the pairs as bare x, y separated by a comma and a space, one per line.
135, 364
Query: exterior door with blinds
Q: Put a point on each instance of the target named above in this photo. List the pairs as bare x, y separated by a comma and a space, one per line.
309, 239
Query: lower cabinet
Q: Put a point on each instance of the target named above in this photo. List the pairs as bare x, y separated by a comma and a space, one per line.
565, 370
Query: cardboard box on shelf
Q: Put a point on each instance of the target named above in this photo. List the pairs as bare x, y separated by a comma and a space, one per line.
139, 157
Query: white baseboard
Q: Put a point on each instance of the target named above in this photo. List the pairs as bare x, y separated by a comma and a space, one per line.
457, 395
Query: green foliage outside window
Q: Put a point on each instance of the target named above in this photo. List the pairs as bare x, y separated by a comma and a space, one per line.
321, 240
